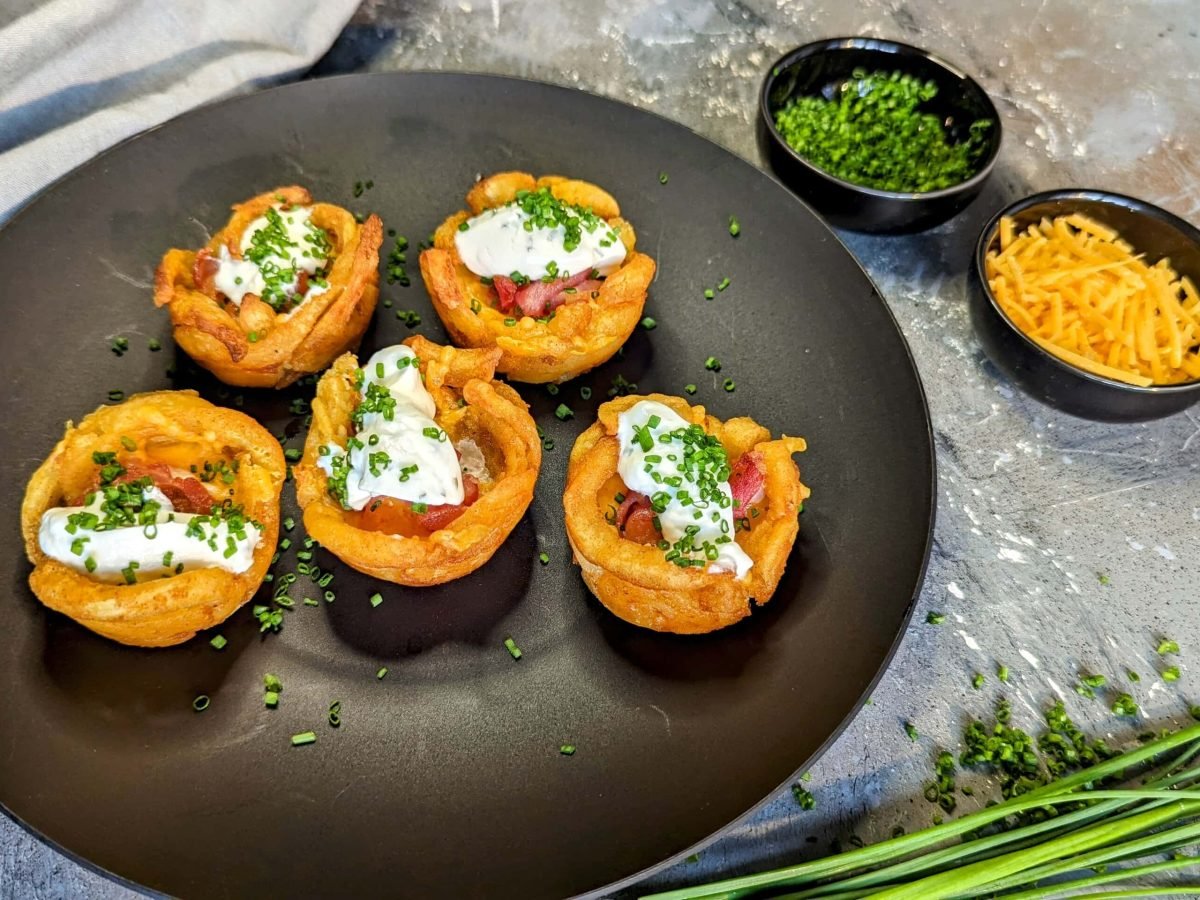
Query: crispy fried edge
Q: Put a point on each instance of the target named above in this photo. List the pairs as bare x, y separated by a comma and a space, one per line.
471, 539
633, 580
168, 611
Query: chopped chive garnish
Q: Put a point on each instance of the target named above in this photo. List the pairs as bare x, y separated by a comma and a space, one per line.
567, 749
376, 599
709, 293
200, 704
978, 681
304, 737
911, 730
564, 412
1171, 674
128, 443
722, 284
1002, 674
663, 178
335, 713
712, 364
649, 324
511, 646
935, 618
154, 344
292, 454
289, 523
735, 227
272, 682
729, 384
381, 673
689, 389
271, 699
309, 601
218, 642
1166, 645
544, 558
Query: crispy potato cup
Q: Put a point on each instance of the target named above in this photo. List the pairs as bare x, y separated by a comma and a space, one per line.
178, 429
634, 580
470, 404
581, 335
253, 345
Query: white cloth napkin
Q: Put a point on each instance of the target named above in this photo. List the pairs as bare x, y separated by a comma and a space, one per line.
77, 76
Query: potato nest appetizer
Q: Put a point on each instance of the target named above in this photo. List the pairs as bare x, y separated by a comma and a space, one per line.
618, 540
412, 543
216, 464
548, 330
316, 273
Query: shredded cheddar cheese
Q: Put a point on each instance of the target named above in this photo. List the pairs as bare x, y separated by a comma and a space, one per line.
1078, 290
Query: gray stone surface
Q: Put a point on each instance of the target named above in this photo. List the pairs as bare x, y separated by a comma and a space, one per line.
1033, 506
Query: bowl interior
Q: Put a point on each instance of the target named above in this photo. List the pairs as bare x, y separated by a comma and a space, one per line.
1147, 228
821, 70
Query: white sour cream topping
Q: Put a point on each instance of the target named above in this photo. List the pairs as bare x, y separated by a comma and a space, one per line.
715, 521
236, 278
496, 243
113, 550
408, 464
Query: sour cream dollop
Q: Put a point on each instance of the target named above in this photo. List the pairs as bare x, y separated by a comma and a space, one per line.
145, 551
656, 468
496, 242
406, 455
292, 244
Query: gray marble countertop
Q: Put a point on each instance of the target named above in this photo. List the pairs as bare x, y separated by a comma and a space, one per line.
1061, 545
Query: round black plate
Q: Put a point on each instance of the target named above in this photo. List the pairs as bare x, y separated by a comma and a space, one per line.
445, 776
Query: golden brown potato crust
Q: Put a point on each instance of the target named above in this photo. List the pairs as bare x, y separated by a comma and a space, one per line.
582, 334
288, 345
634, 580
470, 404
179, 429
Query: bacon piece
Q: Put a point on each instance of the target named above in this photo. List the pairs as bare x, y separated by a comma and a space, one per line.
438, 517
187, 494
204, 273
506, 292
747, 480
635, 519
392, 516
302, 284
538, 297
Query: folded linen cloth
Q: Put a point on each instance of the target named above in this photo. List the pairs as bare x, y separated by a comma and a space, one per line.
77, 76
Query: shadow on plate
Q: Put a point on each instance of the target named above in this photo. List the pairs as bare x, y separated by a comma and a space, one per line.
411, 621
729, 652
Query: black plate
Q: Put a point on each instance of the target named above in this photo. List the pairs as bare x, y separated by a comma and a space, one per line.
445, 777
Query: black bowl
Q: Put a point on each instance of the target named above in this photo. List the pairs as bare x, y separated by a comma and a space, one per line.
1146, 227
820, 68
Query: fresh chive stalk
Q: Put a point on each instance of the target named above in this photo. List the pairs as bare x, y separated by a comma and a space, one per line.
1090, 828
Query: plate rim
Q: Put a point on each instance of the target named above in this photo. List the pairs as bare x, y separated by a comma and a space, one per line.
929, 445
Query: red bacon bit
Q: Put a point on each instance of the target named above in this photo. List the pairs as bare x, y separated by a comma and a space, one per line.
438, 517
506, 293
747, 480
302, 284
204, 272
538, 298
187, 494
635, 519
392, 516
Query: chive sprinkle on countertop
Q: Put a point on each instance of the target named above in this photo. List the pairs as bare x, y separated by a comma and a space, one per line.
567, 749
376, 599
304, 737
511, 646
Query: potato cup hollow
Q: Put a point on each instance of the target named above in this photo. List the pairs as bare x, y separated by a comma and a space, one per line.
620, 537
287, 286
483, 424
553, 316
149, 465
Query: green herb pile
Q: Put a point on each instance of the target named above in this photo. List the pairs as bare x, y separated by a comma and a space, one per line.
874, 134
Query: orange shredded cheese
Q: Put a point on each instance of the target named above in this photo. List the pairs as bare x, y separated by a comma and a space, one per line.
1082, 293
